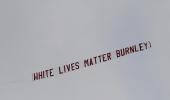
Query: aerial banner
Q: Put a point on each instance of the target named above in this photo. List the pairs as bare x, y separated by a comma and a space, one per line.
84, 50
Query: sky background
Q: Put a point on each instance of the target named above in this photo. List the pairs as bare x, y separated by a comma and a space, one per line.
40, 34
